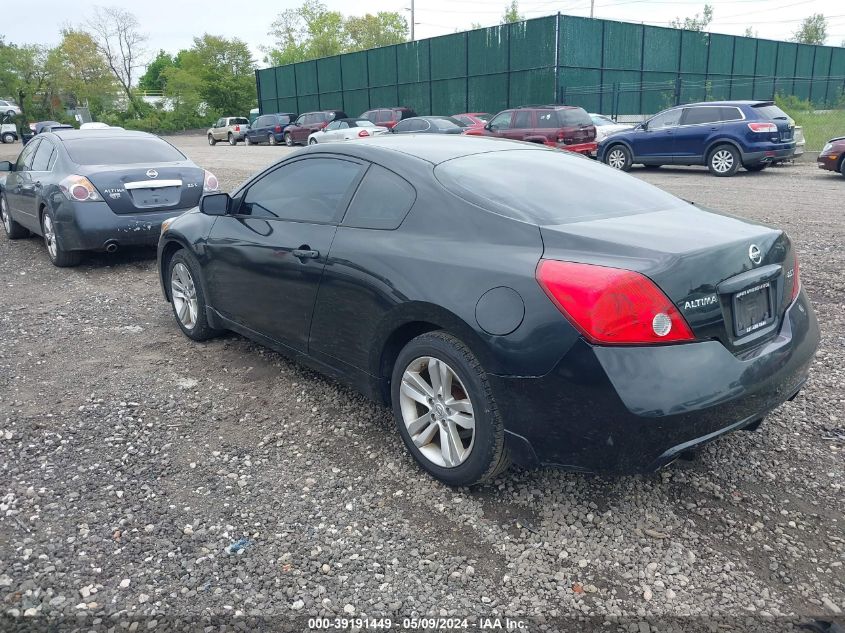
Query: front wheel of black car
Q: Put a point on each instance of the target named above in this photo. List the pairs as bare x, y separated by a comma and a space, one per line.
618, 157
187, 297
723, 160
445, 413
14, 231
757, 167
271, 138
60, 257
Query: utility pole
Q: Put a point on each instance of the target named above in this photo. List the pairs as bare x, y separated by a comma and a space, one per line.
412, 20
592, 6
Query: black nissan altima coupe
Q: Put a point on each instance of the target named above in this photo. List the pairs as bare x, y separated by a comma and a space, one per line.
97, 190
511, 302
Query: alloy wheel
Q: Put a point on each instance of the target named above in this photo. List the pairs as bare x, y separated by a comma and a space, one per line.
616, 158
4, 215
184, 295
437, 412
722, 161
50, 236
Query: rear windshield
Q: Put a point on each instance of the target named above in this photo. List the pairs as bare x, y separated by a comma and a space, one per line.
239, 121
121, 151
771, 112
364, 123
573, 117
283, 119
447, 123
548, 187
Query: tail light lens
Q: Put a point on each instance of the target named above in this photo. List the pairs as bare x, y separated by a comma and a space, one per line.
796, 280
763, 128
237, 128
363, 133
277, 129
79, 189
612, 306
210, 182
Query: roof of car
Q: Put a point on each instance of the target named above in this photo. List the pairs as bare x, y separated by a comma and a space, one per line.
352, 119
71, 134
729, 103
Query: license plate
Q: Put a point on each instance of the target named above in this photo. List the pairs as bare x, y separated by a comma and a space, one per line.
156, 197
752, 309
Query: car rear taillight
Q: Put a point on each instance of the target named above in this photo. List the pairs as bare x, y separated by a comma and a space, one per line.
796, 280
79, 189
612, 306
363, 133
561, 137
210, 182
237, 128
763, 128
277, 129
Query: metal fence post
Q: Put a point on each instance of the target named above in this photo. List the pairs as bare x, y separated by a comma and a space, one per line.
678, 91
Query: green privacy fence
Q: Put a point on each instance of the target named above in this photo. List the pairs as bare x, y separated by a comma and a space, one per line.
601, 65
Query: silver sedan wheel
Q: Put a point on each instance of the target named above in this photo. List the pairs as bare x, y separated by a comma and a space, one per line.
50, 236
722, 161
4, 214
437, 412
184, 295
616, 158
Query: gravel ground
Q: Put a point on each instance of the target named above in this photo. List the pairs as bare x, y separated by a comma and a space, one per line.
147, 477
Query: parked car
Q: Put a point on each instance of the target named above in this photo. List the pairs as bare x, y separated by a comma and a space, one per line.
605, 126
8, 130
832, 156
388, 117
96, 125
521, 303
564, 127
268, 128
429, 125
97, 190
297, 133
346, 130
49, 126
9, 108
723, 135
228, 128
473, 119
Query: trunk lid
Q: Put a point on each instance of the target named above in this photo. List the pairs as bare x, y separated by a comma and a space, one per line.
142, 189
701, 260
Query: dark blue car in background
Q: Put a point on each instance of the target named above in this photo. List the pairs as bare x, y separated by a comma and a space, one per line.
269, 128
723, 135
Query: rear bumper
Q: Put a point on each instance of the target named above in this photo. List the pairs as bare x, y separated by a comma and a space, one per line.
770, 154
588, 149
89, 226
634, 409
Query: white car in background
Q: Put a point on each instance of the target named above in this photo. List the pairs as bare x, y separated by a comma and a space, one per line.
346, 130
9, 107
605, 126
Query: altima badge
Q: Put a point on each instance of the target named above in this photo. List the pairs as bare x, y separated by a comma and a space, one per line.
152, 173
754, 254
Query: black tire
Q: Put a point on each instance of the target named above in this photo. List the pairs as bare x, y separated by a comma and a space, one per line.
10, 113
13, 230
619, 157
312, 141
271, 138
59, 257
201, 330
247, 141
488, 454
757, 167
652, 166
211, 140
842, 165
288, 139
723, 161
8, 137
232, 140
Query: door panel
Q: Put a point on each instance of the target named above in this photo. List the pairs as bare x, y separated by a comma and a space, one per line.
657, 142
18, 186
697, 126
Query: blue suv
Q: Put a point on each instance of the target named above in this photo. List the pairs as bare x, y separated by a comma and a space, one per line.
724, 135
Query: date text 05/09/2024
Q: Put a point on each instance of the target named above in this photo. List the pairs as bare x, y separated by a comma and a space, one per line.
423, 623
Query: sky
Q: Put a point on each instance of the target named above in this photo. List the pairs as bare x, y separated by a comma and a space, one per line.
171, 25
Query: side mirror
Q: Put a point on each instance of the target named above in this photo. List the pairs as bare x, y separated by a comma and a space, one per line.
215, 204
488, 126
6, 166
644, 126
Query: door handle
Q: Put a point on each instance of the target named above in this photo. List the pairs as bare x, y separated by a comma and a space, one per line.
305, 252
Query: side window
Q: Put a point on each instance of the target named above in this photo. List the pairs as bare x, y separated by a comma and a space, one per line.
220, 123
670, 118
41, 161
502, 121
547, 119
382, 201
300, 120
522, 119
371, 115
731, 114
343, 125
404, 126
463, 119
698, 116
421, 125
309, 190
260, 122
385, 115
25, 159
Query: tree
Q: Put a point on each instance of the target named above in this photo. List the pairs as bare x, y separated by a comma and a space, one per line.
25, 74
750, 32
511, 14
370, 31
697, 23
813, 30
308, 32
121, 43
225, 70
80, 71
153, 79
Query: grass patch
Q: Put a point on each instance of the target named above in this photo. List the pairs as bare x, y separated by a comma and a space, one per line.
819, 125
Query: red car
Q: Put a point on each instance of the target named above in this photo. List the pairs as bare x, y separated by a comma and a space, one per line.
832, 156
388, 117
474, 119
565, 127
308, 123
